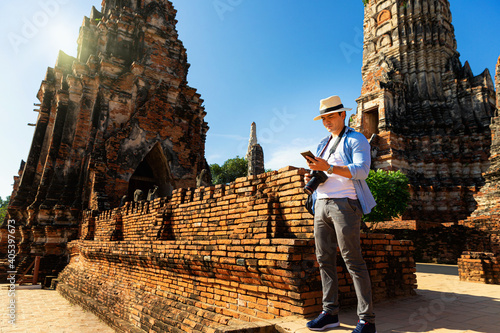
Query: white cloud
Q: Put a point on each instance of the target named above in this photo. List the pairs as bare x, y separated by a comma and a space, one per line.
289, 154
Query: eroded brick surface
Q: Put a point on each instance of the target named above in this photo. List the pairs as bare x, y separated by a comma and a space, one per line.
214, 256
429, 113
481, 263
117, 118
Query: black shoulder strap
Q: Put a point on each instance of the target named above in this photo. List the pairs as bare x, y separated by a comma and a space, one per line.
336, 143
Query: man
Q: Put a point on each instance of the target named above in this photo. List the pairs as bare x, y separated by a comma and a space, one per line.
340, 203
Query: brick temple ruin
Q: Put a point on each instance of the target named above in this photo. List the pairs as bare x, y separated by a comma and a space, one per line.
481, 263
117, 121
429, 115
114, 178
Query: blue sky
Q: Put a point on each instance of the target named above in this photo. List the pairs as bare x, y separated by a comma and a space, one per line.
268, 62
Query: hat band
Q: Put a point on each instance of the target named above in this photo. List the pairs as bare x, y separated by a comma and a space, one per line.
333, 108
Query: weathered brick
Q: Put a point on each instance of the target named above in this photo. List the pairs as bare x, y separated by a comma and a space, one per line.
243, 250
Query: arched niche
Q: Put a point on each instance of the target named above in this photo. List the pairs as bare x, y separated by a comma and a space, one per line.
384, 41
383, 16
152, 171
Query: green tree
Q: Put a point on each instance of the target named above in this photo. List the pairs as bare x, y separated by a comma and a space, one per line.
3, 208
231, 169
390, 190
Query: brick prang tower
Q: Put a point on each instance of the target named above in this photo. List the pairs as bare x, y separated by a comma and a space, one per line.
488, 197
118, 118
424, 112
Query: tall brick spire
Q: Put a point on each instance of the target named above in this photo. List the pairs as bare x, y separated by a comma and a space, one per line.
135, 32
117, 118
489, 197
255, 153
430, 113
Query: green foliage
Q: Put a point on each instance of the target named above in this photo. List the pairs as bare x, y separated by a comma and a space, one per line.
231, 169
390, 190
3, 208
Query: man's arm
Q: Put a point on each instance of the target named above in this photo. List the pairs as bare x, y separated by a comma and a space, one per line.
320, 164
361, 156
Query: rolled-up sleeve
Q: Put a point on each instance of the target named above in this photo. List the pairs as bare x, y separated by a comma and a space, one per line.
361, 156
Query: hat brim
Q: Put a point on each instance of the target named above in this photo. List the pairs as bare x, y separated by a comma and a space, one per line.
334, 111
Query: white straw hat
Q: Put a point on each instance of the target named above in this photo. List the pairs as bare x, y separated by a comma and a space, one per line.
329, 105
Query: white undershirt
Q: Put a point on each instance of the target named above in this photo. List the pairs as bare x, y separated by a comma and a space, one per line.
335, 186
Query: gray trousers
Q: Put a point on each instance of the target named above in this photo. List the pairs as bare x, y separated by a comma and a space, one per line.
337, 222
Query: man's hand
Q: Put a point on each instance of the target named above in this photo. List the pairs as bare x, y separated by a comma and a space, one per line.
317, 164
307, 177
320, 164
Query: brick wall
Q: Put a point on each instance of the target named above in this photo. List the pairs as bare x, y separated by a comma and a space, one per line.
482, 262
473, 244
216, 256
441, 189
488, 226
480, 267
405, 225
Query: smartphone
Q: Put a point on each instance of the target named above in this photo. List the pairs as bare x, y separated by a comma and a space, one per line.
308, 154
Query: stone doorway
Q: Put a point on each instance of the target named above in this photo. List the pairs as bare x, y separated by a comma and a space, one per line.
370, 122
152, 171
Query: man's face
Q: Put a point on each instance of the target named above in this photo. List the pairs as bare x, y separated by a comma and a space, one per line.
334, 122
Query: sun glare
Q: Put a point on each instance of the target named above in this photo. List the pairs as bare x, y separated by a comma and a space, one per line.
61, 37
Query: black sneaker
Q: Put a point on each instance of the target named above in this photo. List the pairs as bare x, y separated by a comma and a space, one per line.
365, 327
323, 321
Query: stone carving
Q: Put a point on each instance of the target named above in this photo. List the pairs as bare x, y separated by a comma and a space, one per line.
383, 16
123, 200
385, 40
203, 179
153, 193
431, 114
138, 195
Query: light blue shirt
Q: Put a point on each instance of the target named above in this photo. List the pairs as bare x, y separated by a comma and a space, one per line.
356, 155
